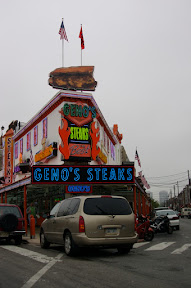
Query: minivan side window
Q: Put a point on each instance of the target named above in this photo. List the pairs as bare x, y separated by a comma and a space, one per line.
63, 210
73, 207
54, 209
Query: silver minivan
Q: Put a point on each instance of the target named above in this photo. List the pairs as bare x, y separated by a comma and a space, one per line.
90, 221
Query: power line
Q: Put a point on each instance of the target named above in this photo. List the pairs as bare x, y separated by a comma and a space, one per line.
168, 183
167, 175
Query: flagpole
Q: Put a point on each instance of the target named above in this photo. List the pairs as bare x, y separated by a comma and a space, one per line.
81, 51
63, 48
62, 52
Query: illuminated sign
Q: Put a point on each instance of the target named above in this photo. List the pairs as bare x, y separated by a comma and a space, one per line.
82, 174
78, 113
47, 152
78, 189
102, 157
79, 136
80, 150
8, 171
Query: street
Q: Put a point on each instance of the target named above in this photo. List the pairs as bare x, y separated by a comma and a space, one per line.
164, 262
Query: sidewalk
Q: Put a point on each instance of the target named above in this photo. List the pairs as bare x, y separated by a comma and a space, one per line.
34, 239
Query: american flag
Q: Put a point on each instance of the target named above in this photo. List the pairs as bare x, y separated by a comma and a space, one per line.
62, 32
137, 158
31, 159
82, 39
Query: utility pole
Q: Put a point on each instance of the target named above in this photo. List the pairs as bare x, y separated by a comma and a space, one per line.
188, 178
178, 187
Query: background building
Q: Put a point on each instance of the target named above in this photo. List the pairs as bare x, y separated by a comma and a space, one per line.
163, 197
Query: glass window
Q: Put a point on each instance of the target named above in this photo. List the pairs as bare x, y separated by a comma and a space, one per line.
16, 150
28, 141
35, 135
63, 210
55, 209
107, 206
21, 146
165, 212
44, 128
73, 207
10, 209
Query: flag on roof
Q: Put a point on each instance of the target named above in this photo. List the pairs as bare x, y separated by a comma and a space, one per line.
82, 39
62, 32
137, 158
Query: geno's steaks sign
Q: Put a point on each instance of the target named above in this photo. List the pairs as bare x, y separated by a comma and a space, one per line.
91, 174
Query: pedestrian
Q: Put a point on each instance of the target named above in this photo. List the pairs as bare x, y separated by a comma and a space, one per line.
31, 210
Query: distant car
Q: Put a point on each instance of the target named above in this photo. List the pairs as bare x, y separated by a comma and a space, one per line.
11, 223
173, 217
90, 221
186, 211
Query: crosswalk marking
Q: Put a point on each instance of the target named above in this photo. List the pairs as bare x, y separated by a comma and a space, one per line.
182, 249
32, 281
137, 245
159, 246
28, 253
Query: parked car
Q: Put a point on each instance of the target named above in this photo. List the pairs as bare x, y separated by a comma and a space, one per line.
161, 208
173, 217
11, 223
177, 213
89, 221
185, 212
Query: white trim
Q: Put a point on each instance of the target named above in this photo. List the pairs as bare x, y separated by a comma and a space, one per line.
16, 185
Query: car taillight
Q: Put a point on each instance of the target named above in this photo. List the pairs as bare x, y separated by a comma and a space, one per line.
175, 218
81, 224
106, 196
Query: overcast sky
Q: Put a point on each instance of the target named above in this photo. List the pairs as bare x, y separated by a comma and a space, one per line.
141, 50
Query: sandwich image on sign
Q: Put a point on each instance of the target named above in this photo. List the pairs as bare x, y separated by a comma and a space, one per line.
73, 78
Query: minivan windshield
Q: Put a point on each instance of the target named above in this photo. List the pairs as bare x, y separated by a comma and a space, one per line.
107, 206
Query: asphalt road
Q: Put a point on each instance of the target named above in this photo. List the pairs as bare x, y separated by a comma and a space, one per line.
163, 263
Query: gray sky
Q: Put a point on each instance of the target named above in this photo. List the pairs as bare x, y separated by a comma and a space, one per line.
141, 50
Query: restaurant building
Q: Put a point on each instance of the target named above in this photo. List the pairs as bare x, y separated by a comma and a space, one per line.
69, 130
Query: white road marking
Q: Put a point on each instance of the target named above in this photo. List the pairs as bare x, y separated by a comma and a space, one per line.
159, 246
137, 245
31, 254
182, 249
40, 273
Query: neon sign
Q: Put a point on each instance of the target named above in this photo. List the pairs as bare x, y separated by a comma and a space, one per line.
78, 189
83, 174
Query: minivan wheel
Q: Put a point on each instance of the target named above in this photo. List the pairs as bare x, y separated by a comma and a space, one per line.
43, 241
124, 250
69, 245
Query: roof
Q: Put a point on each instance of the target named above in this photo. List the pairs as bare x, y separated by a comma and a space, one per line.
55, 102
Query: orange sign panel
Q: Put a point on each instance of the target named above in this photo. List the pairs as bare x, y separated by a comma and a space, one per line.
8, 168
80, 150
